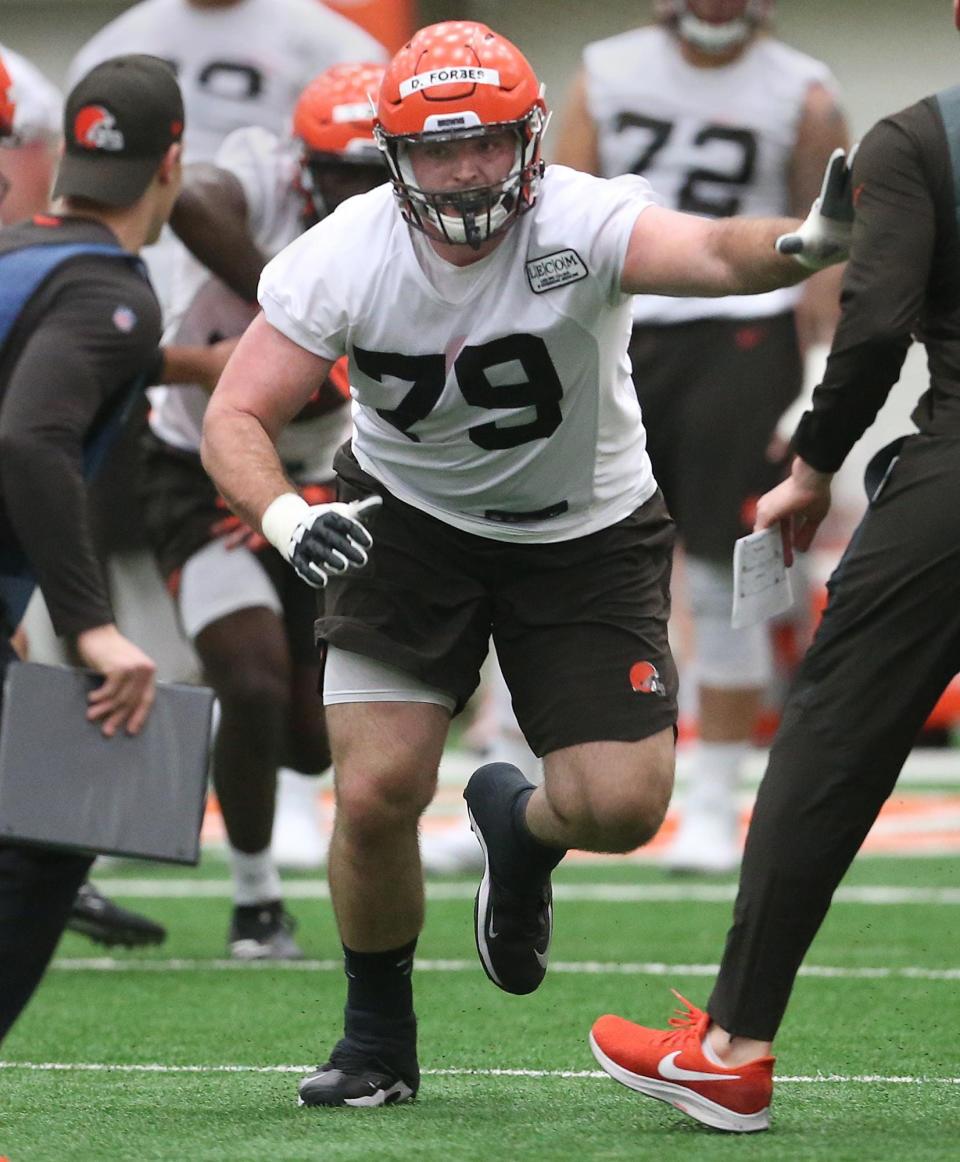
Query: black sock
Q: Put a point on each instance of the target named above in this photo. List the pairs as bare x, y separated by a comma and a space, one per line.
536, 856
380, 984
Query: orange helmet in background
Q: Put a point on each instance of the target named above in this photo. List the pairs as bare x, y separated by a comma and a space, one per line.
333, 124
455, 80
7, 107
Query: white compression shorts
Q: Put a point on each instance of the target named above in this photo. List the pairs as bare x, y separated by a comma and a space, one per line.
350, 677
726, 658
217, 581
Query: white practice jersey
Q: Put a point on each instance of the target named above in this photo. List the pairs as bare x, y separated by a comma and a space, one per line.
497, 397
711, 141
245, 64
39, 103
204, 307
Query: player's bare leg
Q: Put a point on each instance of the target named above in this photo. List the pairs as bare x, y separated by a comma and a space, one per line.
386, 756
597, 796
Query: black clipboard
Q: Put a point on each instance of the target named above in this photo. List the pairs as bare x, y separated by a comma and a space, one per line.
63, 784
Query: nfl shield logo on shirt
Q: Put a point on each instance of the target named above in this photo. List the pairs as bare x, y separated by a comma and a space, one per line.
124, 319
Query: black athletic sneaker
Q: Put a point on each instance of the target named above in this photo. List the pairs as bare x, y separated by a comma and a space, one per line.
513, 911
356, 1077
105, 922
263, 932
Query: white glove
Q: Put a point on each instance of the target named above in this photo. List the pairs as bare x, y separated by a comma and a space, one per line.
319, 539
824, 237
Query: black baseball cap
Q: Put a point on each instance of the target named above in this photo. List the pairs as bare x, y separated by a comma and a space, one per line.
119, 121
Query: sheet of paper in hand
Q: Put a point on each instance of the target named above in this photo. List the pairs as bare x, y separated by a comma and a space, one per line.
761, 583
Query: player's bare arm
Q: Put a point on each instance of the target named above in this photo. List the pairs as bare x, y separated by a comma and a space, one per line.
267, 380
822, 129
210, 219
681, 254
672, 253
577, 144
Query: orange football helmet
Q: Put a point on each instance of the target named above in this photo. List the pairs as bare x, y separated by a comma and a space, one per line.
333, 123
715, 26
460, 80
7, 107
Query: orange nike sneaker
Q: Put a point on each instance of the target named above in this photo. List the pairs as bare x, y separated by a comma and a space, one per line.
669, 1064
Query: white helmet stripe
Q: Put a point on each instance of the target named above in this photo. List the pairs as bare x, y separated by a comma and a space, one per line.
455, 75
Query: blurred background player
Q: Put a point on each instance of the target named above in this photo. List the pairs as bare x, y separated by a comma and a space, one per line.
240, 63
29, 155
249, 617
723, 119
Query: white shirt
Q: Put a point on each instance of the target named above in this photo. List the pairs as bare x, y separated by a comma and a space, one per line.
202, 305
39, 103
496, 397
713, 141
242, 65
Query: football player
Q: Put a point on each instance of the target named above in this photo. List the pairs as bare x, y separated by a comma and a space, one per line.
33, 114
498, 455
722, 119
248, 616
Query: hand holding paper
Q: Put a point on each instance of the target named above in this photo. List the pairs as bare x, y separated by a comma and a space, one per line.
761, 584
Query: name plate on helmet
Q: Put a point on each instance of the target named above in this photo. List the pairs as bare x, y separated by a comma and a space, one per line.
554, 270
454, 75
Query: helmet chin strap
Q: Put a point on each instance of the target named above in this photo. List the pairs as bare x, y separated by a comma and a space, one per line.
714, 38
464, 228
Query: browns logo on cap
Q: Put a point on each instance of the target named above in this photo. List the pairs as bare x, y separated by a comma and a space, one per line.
119, 121
96, 128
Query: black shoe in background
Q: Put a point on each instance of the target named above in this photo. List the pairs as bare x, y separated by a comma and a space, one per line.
105, 922
263, 932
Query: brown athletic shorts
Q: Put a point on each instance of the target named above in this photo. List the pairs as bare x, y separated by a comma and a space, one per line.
580, 626
181, 508
711, 392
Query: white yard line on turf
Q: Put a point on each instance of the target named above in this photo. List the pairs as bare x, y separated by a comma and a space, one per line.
572, 968
535, 1074
156, 889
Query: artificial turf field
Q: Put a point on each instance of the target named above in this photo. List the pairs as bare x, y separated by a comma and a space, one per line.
175, 1054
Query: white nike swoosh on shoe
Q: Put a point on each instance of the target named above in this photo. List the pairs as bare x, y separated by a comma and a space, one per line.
668, 1069
491, 931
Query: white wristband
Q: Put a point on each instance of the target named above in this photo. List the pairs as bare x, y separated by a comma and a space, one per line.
281, 518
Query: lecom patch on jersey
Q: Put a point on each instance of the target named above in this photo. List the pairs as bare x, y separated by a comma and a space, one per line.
553, 270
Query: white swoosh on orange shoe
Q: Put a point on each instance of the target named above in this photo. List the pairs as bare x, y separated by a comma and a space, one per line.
673, 1072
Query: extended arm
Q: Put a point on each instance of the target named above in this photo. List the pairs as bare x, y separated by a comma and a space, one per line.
674, 253
671, 253
195, 366
210, 219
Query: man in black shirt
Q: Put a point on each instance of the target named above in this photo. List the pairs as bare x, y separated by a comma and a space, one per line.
889, 641
79, 333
